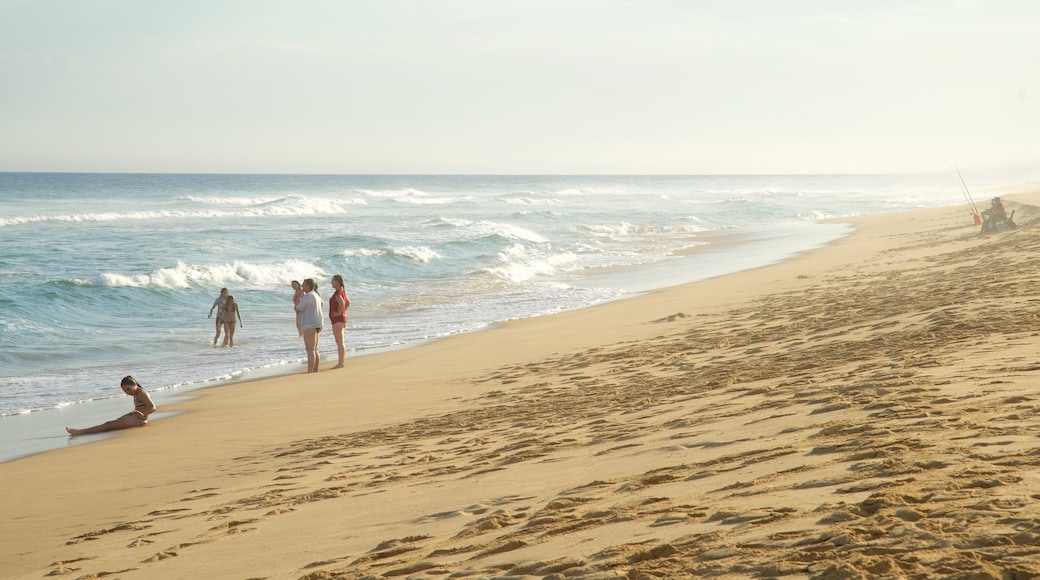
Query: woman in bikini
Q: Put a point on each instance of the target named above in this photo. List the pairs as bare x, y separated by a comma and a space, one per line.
143, 407
228, 318
338, 304
297, 294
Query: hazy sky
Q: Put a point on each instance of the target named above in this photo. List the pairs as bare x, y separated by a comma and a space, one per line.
518, 86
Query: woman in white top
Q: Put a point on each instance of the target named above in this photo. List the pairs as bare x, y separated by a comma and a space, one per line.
311, 317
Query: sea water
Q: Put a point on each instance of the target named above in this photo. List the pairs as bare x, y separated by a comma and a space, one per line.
104, 275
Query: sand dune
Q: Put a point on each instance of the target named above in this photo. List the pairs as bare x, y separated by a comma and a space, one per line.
868, 410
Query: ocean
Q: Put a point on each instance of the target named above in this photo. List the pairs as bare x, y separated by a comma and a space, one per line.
104, 275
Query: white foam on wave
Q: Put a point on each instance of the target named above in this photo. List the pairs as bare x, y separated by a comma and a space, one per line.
590, 190
520, 263
281, 206
309, 204
816, 215
420, 254
470, 229
302, 205
363, 252
627, 229
185, 275
434, 200
219, 200
104, 217
413, 196
515, 232
407, 192
531, 201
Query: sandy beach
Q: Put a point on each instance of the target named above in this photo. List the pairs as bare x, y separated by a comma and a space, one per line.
866, 410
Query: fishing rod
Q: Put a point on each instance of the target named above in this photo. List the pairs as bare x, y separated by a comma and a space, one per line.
964, 186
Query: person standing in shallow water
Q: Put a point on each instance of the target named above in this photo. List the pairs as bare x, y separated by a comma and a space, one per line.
218, 305
338, 304
311, 316
297, 294
143, 406
227, 316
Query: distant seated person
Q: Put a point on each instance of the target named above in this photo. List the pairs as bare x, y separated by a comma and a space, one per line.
143, 407
997, 207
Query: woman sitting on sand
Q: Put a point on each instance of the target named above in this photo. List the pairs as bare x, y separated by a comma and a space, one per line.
143, 407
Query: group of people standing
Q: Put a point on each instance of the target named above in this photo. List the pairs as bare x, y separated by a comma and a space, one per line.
227, 310
309, 307
309, 318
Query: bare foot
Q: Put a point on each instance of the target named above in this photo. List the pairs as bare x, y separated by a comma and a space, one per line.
72, 431
337, 367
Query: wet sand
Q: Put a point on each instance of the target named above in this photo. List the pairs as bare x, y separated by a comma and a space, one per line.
866, 410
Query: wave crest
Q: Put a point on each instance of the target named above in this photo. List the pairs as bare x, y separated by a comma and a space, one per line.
420, 254
292, 205
520, 263
185, 275
627, 229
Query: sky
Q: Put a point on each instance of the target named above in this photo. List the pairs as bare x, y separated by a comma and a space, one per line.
519, 86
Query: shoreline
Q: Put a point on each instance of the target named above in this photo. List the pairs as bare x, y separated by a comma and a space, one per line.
857, 410
41, 431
